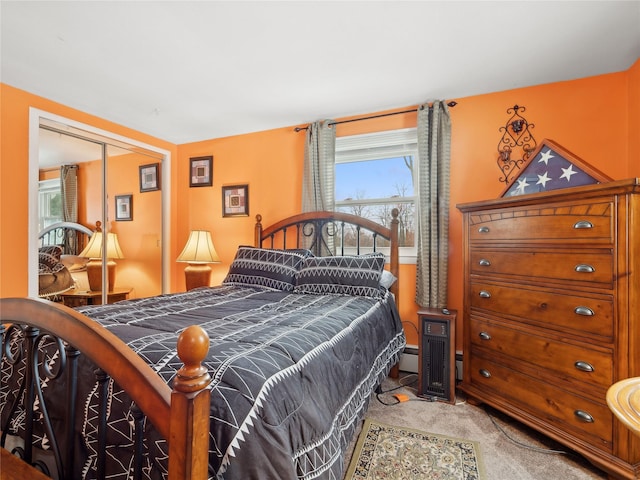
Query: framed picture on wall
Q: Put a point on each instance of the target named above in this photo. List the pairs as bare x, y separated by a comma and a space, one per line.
201, 171
235, 201
149, 177
124, 207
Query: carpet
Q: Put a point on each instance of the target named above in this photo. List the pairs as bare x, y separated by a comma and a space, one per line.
398, 453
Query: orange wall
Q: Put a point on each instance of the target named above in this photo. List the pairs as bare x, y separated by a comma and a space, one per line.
270, 162
588, 117
634, 120
140, 237
596, 118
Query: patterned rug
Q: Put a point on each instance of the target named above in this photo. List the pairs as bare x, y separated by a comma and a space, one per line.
398, 453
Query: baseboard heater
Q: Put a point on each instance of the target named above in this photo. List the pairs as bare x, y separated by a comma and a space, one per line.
409, 359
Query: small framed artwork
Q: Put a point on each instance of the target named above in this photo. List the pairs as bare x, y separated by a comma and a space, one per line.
235, 201
200, 171
124, 207
150, 177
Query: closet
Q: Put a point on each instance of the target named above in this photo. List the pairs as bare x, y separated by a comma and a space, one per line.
108, 166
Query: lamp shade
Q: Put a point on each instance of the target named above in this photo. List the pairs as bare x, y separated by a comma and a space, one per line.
93, 251
199, 249
94, 247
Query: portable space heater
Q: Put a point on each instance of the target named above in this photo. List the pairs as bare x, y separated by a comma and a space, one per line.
436, 355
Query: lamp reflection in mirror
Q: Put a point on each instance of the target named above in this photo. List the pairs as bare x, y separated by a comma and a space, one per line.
93, 251
198, 253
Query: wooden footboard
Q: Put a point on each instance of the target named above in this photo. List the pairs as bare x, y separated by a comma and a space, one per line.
180, 415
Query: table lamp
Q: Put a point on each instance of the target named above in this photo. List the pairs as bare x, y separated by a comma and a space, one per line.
198, 253
93, 251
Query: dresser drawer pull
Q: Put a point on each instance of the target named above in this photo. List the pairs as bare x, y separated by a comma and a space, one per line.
583, 416
586, 311
483, 230
584, 366
484, 294
583, 224
485, 373
484, 262
484, 336
584, 268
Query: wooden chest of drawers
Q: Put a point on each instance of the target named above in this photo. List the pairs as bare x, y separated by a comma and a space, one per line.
552, 313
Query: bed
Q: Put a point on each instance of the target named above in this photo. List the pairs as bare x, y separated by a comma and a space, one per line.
270, 372
59, 266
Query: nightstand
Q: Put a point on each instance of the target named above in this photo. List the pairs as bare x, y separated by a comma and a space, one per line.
80, 298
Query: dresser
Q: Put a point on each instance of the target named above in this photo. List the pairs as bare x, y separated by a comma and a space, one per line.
551, 313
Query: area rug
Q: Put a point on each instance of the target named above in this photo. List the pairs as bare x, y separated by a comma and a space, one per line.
398, 453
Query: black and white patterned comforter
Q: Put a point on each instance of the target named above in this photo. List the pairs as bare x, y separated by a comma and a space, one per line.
291, 376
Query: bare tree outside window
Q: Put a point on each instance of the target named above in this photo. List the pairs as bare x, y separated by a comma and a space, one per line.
374, 174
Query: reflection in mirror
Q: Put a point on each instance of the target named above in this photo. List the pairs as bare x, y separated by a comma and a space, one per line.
135, 214
63, 164
139, 261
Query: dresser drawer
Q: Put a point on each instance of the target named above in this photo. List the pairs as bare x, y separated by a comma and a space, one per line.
553, 356
583, 417
592, 267
564, 311
565, 223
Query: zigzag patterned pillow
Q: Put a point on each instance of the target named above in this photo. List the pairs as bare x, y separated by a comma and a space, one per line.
351, 275
270, 268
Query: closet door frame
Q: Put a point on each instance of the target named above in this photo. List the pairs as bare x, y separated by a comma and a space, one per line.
36, 116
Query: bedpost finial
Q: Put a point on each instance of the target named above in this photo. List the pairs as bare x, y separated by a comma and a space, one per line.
258, 218
394, 214
192, 346
98, 226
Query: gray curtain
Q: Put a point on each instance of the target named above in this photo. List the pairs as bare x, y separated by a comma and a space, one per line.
69, 191
319, 167
434, 148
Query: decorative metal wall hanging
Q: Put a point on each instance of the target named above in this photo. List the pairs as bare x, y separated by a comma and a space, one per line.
517, 141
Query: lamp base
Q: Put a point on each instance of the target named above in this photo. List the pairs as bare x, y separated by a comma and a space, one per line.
94, 274
197, 275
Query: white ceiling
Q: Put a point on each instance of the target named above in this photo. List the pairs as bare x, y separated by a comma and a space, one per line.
186, 71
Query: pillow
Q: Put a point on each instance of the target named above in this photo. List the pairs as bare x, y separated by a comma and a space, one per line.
74, 263
271, 268
53, 250
387, 279
47, 263
350, 275
53, 276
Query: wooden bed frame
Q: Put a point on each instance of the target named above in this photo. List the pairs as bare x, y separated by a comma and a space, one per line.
181, 414
310, 230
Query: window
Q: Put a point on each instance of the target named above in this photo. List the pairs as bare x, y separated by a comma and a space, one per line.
375, 173
49, 202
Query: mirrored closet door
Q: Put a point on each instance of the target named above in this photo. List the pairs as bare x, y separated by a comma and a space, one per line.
118, 192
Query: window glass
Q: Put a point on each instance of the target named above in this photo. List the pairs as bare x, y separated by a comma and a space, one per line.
50, 202
374, 174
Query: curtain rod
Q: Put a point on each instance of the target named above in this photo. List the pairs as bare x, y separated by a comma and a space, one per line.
452, 103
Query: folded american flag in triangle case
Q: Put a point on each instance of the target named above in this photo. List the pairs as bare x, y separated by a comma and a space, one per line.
551, 167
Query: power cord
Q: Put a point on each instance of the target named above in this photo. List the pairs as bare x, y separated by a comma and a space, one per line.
405, 322
401, 384
521, 444
407, 382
